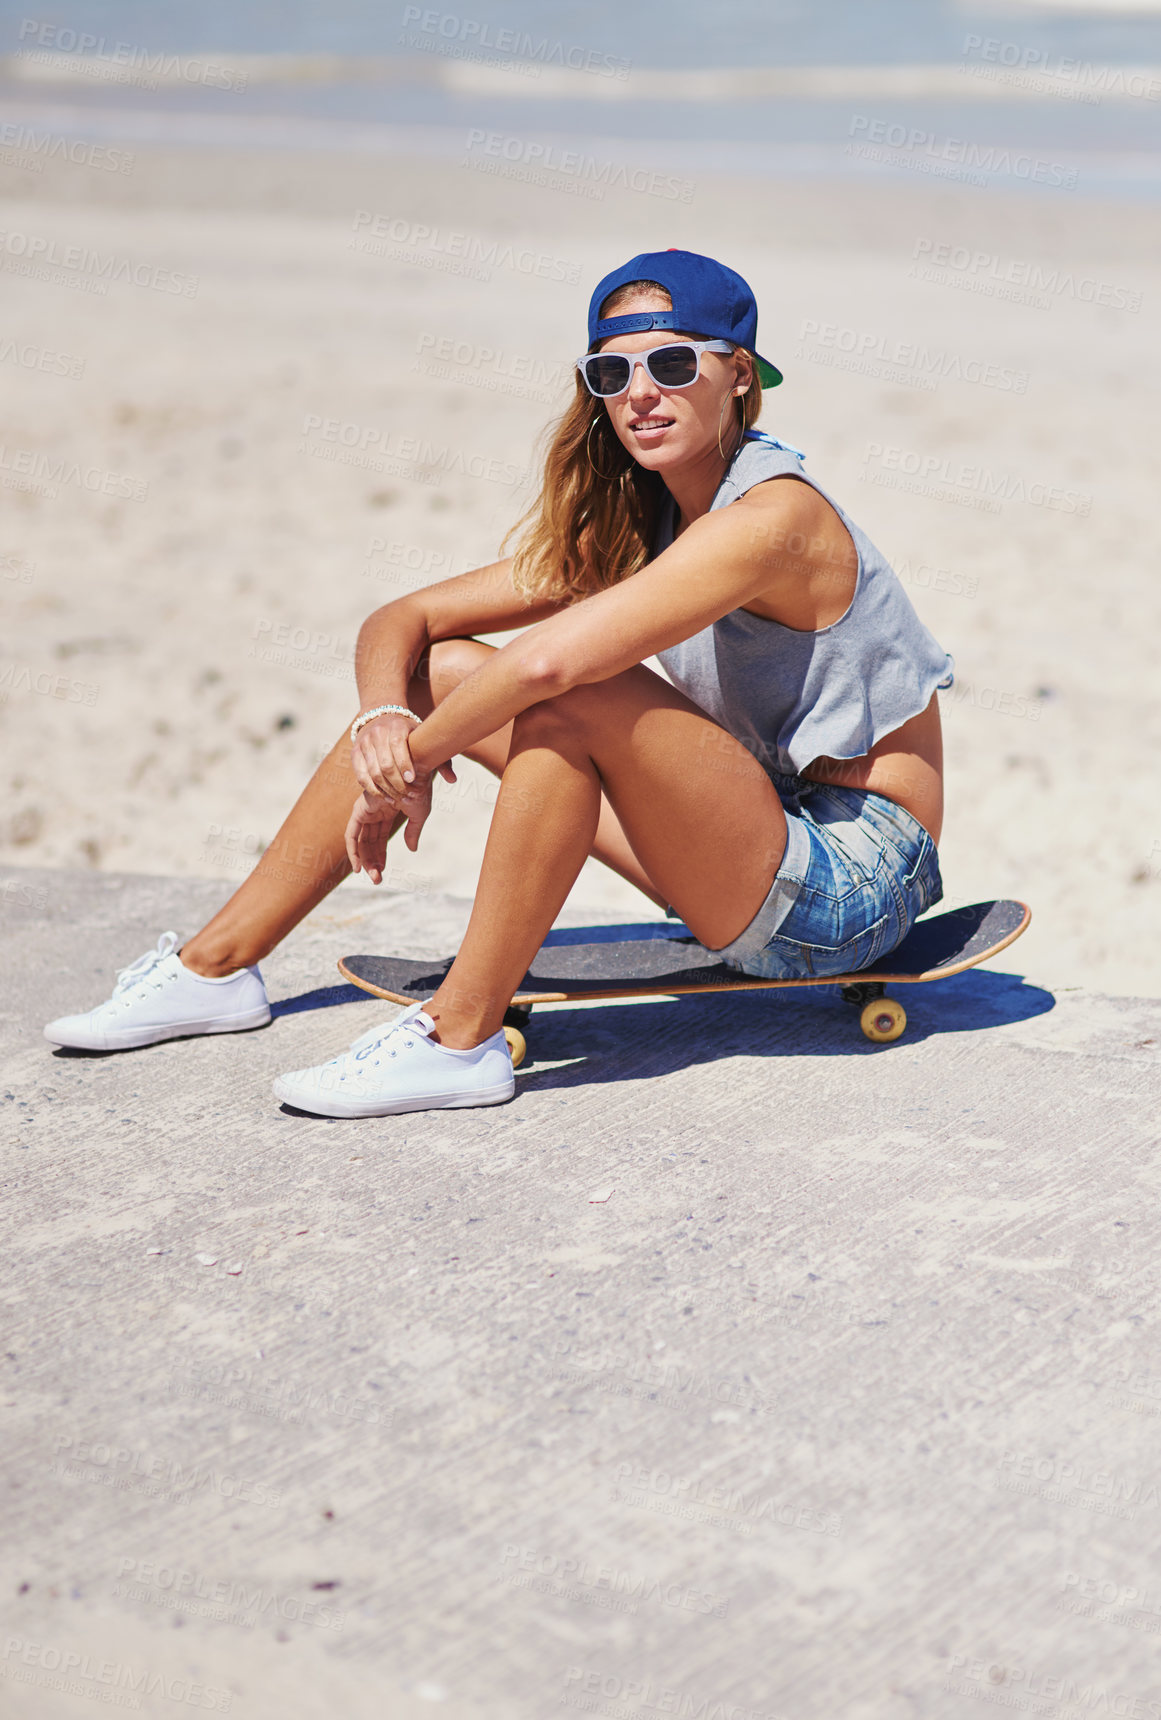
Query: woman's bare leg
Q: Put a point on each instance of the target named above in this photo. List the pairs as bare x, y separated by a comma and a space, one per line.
307, 858
294, 874
700, 813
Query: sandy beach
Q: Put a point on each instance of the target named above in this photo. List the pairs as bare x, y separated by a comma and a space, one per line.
310, 381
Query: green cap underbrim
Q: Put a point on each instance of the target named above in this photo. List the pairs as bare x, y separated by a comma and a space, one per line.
767, 375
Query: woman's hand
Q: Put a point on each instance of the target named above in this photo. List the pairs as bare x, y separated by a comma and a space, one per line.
371, 822
381, 758
391, 786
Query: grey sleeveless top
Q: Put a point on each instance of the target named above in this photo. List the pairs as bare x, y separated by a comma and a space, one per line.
791, 697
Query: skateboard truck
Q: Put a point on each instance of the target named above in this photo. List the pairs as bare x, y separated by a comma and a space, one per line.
881, 1018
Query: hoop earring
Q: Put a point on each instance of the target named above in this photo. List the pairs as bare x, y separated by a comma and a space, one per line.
605, 477
721, 415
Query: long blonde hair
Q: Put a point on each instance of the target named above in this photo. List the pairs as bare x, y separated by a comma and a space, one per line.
593, 523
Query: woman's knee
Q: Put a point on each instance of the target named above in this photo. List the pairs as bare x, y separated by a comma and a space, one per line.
565, 716
597, 714
446, 663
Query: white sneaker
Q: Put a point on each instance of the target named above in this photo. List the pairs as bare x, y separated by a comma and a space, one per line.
158, 997
399, 1067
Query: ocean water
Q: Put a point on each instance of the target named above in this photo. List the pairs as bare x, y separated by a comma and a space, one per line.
1034, 96
685, 33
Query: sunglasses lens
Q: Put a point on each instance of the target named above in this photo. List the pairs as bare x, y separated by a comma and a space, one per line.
607, 372
673, 366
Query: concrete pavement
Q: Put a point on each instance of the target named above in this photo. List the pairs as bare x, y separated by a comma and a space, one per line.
840, 1398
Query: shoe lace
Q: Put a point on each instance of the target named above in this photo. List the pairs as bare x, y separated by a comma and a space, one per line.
129, 976
368, 1043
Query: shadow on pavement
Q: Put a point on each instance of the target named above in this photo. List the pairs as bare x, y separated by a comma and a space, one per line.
637, 1039
620, 1042
324, 997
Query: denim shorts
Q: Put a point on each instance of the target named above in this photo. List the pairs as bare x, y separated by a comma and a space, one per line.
857, 872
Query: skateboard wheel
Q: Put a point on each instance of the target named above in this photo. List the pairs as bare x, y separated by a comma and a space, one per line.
883, 1019
518, 1045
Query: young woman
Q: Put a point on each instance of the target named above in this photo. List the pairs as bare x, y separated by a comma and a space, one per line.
784, 794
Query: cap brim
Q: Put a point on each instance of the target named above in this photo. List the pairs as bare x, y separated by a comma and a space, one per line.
767, 375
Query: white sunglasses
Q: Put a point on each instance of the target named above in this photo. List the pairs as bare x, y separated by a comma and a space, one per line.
675, 365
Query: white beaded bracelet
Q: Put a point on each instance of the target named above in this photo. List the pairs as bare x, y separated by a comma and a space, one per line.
364, 717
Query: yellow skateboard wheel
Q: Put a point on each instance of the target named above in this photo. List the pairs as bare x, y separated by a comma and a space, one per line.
883, 1019
518, 1045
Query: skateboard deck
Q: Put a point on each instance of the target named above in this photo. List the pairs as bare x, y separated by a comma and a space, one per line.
660, 959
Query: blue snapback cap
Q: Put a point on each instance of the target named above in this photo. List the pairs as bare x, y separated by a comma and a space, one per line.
708, 300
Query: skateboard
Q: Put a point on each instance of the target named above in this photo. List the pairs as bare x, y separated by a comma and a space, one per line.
664, 959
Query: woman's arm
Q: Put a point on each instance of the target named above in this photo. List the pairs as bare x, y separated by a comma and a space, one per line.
393, 639
720, 562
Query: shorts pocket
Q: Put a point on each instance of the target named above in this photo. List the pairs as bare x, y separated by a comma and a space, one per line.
787, 957
853, 848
